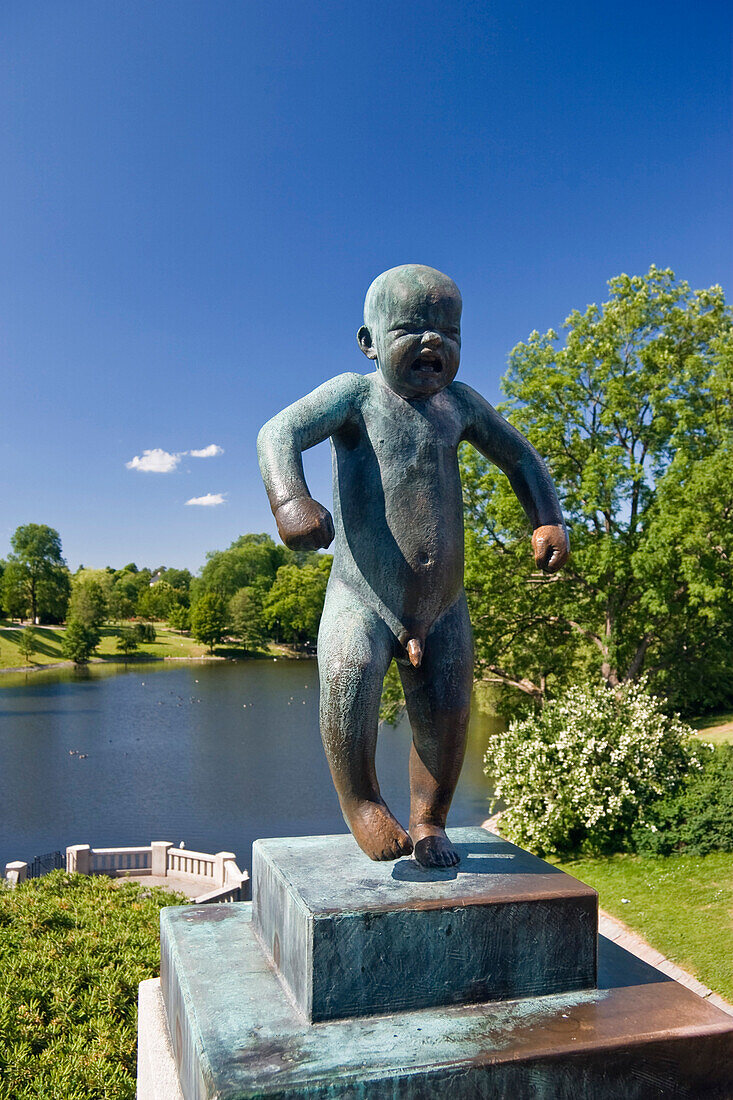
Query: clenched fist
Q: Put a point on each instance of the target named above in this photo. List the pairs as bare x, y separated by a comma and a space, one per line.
304, 524
551, 547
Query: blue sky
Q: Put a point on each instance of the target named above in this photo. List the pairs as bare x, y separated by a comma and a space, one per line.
195, 197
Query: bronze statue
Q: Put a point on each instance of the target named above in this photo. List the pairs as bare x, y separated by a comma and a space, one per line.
396, 588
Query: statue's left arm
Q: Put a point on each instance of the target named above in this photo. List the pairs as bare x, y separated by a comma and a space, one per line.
507, 448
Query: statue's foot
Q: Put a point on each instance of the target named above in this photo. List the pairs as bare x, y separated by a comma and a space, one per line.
377, 831
432, 847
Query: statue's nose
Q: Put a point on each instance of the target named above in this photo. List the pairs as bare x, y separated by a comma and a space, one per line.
432, 339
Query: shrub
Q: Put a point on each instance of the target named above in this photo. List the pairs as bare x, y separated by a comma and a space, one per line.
144, 632
126, 640
698, 819
79, 641
73, 949
580, 774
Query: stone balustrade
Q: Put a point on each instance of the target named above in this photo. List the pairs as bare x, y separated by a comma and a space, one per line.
16, 872
197, 864
160, 859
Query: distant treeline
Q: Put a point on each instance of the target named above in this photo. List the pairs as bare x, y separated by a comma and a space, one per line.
254, 590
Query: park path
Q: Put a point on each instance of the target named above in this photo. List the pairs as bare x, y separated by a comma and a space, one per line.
625, 937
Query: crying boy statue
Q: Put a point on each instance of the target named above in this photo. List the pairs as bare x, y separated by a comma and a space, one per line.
396, 587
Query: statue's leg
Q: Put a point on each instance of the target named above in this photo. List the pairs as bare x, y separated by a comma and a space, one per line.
438, 696
355, 648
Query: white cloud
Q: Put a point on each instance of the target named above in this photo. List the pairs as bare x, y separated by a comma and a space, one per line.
211, 451
156, 461
208, 501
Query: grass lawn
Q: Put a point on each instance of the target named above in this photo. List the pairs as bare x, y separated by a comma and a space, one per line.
72, 951
681, 904
716, 728
48, 647
168, 643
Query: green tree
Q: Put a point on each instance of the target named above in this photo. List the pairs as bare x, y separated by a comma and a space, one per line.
294, 604
126, 641
156, 600
79, 642
632, 415
179, 579
15, 591
246, 618
179, 617
38, 578
144, 632
89, 600
209, 619
249, 559
127, 584
27, 643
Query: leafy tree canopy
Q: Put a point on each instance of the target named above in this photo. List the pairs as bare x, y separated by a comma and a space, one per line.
209, 619
79, 641
180, 579
127, 641
39, 579
157, 600
90, 594
250, 560
246, 617
632, 415
179, 617
27, 643
294, 604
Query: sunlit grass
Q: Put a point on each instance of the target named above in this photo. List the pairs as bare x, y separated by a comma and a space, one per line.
681, 904
168, 643
715, 728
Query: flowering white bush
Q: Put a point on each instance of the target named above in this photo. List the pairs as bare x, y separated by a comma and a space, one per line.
578, 775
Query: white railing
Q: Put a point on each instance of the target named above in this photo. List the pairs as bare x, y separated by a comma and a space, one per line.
217, 873
196, 864
117, 861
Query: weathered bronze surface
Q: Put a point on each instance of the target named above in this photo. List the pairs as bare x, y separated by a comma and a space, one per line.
396, 589
353, 938
236, 1034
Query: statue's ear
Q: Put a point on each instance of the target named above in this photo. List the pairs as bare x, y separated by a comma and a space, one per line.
364, 337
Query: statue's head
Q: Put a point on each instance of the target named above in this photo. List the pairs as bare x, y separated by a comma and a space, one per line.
412, 328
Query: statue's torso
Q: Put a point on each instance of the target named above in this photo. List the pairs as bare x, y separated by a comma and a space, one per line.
398, 507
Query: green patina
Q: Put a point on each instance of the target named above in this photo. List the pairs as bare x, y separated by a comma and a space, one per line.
237, 1034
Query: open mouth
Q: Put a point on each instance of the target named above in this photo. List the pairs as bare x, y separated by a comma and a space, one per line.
428, 362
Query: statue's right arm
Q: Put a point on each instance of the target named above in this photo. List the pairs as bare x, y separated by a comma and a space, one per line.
302, 522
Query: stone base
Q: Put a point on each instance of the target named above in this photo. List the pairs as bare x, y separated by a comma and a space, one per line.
236, 1034
350, 937
157, 1076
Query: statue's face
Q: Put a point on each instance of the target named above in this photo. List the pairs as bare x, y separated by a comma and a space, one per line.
418, 339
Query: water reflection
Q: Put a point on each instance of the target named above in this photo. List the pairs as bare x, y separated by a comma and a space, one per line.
215, 755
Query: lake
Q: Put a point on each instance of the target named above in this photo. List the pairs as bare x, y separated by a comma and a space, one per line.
215, 755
